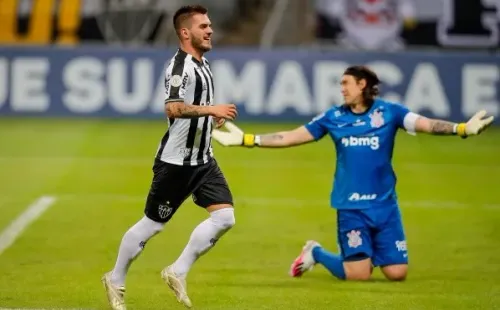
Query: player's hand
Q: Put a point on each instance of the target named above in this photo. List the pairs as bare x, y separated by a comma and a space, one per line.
234, 136
226, 111
475, 125
219, 122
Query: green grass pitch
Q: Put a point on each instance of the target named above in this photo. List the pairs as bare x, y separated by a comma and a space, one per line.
100, 172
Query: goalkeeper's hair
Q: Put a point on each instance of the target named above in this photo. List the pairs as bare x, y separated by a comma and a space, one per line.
372, 81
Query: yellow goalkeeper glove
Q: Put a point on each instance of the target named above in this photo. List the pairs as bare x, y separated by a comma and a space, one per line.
475, 125
234, 136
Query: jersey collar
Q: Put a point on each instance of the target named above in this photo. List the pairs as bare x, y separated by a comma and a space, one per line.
370, 109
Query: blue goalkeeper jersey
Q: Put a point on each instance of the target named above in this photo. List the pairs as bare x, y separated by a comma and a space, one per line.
364, 176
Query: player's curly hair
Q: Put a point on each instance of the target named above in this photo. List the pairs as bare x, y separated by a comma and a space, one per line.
372, 81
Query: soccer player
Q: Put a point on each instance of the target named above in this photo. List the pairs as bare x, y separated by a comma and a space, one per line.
184, 163
369, 231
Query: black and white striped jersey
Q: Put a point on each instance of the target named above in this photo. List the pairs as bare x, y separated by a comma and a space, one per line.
188, 141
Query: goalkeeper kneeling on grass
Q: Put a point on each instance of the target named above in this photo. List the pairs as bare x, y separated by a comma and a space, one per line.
370, 231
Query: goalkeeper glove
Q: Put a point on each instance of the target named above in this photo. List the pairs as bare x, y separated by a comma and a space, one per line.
234, 136
475, 125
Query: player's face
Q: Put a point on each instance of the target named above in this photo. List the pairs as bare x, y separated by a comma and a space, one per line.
201, 32
352, 89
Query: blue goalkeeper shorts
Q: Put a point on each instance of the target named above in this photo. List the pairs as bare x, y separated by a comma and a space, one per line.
375, 233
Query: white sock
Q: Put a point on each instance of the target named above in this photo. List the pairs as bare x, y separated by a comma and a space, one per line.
203, 238
132, 244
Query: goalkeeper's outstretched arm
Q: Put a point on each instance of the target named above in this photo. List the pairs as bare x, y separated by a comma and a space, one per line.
234, 136
474, 126
294, 137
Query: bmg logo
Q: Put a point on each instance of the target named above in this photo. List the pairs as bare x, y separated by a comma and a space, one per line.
372, 142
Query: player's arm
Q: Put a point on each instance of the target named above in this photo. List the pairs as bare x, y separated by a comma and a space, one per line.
474, 126
290, 138
178, 109
316, 129
435, 126
234, 136
413, 122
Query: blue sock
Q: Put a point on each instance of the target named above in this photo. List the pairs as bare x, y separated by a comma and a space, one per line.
332, 262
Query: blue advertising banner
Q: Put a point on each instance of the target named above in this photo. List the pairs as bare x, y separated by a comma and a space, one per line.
266, 85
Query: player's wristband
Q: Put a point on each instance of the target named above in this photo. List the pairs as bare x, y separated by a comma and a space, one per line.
257, 140
248, 140
460, 130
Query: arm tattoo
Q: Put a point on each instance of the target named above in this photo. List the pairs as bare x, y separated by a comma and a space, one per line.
180, 110
439, 127
272, 140
276, 137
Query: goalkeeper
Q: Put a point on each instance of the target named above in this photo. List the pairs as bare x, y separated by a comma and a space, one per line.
369, 226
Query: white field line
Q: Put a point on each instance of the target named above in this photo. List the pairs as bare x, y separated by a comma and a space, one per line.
291, 202
14, 230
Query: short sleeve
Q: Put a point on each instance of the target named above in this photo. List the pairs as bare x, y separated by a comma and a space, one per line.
399, 111
178, 78
404, 117
317, 126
